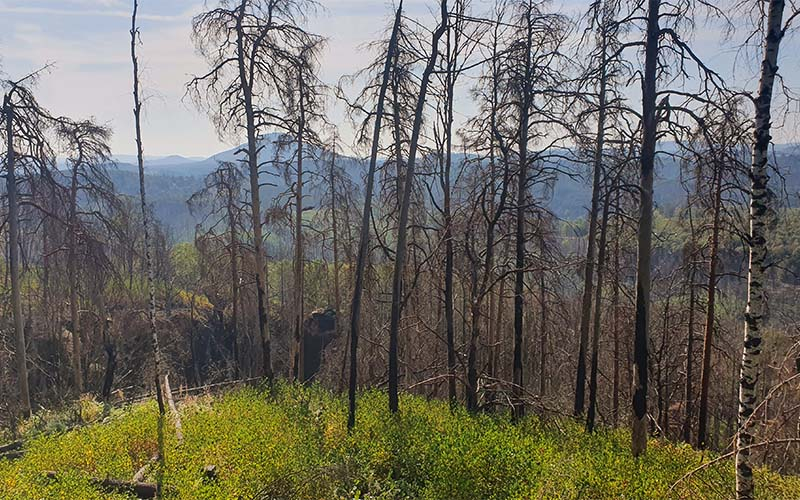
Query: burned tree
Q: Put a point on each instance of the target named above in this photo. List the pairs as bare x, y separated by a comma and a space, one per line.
363, 246
402, 230
88, 154
248, 44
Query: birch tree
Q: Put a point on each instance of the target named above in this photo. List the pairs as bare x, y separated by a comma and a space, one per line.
146, 223
774, 31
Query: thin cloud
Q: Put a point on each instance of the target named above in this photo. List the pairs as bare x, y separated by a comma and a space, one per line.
47, 11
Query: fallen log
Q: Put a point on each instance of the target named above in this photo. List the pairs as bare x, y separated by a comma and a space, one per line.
12, 455
175, 415
139, 476
140, 489
12, 451
14, 446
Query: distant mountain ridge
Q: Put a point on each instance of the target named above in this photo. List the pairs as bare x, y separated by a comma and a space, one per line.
175, 178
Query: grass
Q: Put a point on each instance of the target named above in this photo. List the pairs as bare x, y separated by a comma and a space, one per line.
292, 443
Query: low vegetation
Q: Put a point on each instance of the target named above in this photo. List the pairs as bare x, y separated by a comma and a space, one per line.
292, 442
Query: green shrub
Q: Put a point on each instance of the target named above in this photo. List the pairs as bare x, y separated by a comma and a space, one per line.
291, 442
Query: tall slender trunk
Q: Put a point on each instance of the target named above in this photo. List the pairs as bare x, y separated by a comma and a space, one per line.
363, 246
148, 256
645, 233
598, 298
519, 243
662, 384
450, 81
111, 359
13, 259
689, 389
588, 277
234, 256
396, 131
402, 229
298, 370
137, 110
72, 273
615, 326
491, 361
472, 349
337, 297
246, 82
754, 314
708, 338
542, 320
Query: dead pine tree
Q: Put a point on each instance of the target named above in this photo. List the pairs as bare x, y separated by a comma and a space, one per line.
402, 229
301, 102
661, 37
29, 156
363, 246
588, 268
219, 202
249, 44
719, 150
459, 45
13, 253
531, 65
645, 231
88, 154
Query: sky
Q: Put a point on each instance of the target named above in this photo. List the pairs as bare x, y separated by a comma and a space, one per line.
88, 42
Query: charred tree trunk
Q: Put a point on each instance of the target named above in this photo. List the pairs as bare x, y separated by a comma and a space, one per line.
542, 324
519, 243
448, 232
615, 327
299, 264
111, 361
233, 250
402, 230
645, 233
588, 277
598, 298
708, 339
13, 260
246, 82
689, 389
72, 273
363, 246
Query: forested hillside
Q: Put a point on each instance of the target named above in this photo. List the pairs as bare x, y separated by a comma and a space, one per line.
557, 256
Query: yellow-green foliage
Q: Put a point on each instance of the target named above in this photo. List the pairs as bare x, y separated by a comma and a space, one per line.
291, 442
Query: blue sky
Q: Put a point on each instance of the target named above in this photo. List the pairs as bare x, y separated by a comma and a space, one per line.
88, 41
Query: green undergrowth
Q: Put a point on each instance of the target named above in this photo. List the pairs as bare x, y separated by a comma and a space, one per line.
289, 442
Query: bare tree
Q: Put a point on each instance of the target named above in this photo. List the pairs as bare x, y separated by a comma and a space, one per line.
221, 197
151, 311
13, 252
28, 154
248, 44
89, 153
363, 246
602, 19
408, 181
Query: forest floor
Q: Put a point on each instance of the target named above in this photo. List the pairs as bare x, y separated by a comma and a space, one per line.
292, 443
